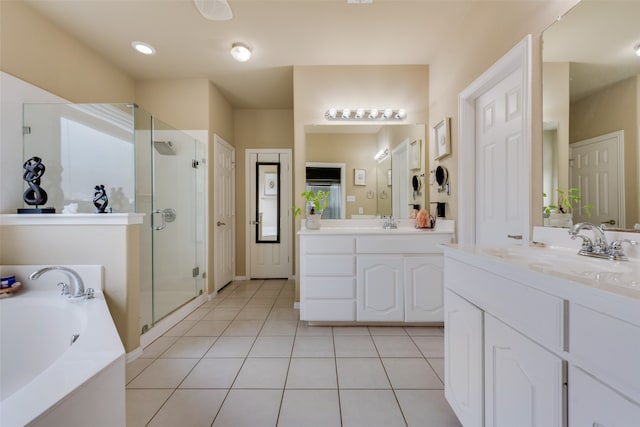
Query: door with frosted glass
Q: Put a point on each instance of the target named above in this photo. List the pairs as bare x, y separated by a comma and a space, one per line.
173, 220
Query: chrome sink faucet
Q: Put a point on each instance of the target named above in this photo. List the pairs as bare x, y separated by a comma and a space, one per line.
75, 288
389, 223
599, 247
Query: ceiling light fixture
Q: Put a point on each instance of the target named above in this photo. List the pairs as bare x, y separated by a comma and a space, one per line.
364, 114
636, 49
143, 48
215, 10
381, 155
240, 52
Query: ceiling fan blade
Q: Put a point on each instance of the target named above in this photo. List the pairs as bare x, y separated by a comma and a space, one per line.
215, 10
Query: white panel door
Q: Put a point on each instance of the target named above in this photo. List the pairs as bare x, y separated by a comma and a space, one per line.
269, 213
502, 202
380, 288
596, 167
463, 360
523, 381
423, 290
224, 212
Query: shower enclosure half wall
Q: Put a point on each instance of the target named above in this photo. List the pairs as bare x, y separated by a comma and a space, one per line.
146, 166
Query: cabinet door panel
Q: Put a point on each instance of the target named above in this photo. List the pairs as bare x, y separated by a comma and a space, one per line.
463, 359
523, 381
423, 293
593, 404
380, 288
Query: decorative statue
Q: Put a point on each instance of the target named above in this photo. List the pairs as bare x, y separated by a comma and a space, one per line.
34, 195
100, 199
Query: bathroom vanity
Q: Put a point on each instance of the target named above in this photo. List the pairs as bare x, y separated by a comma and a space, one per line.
541, 337
356, 271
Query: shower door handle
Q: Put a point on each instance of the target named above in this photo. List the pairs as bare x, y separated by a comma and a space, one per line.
153, 222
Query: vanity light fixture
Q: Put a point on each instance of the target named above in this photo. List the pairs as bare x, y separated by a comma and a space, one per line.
240, 52
636, 49
144, 48
381, 155
365, 114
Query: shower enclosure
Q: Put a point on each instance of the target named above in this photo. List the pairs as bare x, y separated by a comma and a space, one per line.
146, 166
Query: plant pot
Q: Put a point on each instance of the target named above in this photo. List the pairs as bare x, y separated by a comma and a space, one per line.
313, 221
557, 219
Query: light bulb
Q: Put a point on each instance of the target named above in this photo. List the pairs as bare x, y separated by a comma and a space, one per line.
240, 52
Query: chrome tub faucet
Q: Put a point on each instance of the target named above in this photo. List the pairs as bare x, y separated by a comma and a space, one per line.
75, 289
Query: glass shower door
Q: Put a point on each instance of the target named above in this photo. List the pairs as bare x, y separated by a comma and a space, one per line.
173, 220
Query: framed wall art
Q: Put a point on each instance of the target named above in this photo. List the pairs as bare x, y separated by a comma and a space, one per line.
441, 139
360, 177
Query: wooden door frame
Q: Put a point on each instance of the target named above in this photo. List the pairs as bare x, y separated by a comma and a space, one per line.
217, 140
289, 191
518, 58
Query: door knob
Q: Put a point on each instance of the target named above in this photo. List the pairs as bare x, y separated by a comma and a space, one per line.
610, 222
219, 223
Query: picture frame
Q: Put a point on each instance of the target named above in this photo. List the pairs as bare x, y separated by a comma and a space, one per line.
270, 184
360, 177
442, 139
414, 154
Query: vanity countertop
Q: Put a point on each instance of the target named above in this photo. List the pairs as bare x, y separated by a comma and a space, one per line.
548, 266
374, 227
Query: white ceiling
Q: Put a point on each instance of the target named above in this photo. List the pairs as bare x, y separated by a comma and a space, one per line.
282, 33
597, 37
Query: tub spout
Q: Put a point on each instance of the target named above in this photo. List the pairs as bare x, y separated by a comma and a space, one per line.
75, 281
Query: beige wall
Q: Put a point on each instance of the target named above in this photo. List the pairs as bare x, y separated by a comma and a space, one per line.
356, 151
613, 108
115, 247
184, 104
38, 52
255, 129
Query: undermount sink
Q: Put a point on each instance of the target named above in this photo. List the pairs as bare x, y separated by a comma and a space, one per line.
567, 263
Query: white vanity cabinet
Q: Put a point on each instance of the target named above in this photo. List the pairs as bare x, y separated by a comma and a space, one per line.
495, 375
524, 347
372, 276
380, 288
523, 381
328, 268
463, 356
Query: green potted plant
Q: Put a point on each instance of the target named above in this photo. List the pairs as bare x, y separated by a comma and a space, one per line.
317, 202
561, 215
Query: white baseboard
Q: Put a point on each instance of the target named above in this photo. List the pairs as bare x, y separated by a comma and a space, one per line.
240, 278
133, 355
296, 305
171, 320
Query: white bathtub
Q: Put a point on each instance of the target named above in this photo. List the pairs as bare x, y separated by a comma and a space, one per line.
44, 379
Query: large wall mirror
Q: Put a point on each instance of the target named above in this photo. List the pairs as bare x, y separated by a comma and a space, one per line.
382, 168
591, 111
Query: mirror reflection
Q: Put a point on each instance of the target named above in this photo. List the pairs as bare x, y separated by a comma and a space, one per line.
591, 100
370, 170
268, 203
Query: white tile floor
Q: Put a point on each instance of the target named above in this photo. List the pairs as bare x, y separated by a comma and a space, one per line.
245, 359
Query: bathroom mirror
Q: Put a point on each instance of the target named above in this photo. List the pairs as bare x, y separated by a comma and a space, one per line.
356, 146
591, 87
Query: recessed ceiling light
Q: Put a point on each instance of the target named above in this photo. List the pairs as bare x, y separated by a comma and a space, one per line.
143, 48
240, 52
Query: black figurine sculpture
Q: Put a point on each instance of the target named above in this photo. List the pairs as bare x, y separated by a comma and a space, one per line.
100, 199
34, 195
